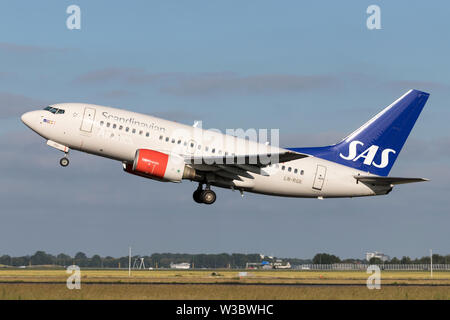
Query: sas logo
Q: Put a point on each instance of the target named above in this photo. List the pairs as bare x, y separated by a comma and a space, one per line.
368, 155
49, 121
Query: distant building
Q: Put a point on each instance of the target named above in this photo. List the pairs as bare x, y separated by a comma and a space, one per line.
379, 255
182, 265
279, 264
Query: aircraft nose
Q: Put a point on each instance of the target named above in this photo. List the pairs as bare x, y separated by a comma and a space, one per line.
27, 118
31, 119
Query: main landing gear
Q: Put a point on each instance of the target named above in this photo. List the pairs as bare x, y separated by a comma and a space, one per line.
206, 196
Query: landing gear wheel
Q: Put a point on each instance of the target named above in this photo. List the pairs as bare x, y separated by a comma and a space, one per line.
64, 162
197, 196
208, 196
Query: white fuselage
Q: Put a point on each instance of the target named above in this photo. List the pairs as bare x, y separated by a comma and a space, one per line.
117, 134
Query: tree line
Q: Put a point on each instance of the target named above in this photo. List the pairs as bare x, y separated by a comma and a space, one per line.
325, 258
156, 260
163, 260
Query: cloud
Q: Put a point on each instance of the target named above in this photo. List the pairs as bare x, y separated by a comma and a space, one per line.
419, 85
116, 94
13, 105
370, 81
207, 83
136, 76
436, 149
311, 139
218, 83
8, 76
105, 75
177, 115
14, 48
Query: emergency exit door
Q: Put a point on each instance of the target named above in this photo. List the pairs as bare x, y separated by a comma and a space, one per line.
320, 177
88, 119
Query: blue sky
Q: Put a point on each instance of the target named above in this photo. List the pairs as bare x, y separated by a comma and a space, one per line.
311, 69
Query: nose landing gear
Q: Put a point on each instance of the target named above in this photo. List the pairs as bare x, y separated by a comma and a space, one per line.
64, 162
206, 196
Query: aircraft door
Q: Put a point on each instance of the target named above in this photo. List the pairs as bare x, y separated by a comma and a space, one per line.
320, 177
88, 120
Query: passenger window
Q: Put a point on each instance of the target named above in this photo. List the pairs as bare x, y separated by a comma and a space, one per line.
147, 134
120, 127
179, 142
141, 132
213, 150
160, 137
192, 145
282, 168
127, 129
289, 169
167, 139
173, 140
295, 170
102, 123
133, 131
301, 172
114, 126
108, 124
206, 148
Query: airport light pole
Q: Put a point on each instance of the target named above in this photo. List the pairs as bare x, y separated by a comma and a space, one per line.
129, 261
431, 262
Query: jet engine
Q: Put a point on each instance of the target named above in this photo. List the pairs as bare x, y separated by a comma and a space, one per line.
160, 166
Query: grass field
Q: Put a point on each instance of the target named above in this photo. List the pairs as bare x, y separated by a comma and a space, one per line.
220, 292
221, 284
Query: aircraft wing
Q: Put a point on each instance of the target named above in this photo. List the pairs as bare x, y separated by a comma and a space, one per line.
258, 160
386, 181
232, 167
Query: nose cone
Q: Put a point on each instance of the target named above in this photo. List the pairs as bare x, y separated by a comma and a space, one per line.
31, 119
27, 118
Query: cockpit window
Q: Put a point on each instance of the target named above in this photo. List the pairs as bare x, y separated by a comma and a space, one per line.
54, 110
51, 109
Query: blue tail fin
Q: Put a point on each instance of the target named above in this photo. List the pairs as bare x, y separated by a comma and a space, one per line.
375, 146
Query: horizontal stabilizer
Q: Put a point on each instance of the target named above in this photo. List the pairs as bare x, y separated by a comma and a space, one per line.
385, 181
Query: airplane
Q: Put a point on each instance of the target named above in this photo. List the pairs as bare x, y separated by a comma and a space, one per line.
168, 151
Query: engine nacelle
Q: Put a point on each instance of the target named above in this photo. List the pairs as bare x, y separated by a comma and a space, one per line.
160, 166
